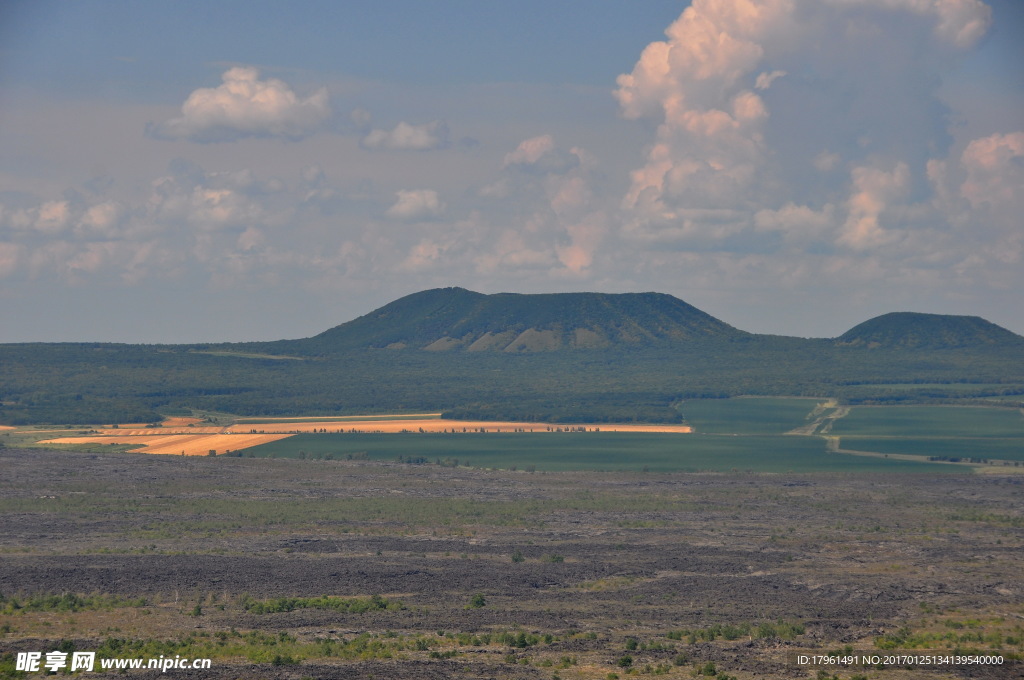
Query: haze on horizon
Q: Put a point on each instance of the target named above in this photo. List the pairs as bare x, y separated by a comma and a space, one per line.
193, 171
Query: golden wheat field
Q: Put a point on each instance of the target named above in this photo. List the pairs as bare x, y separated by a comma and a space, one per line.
143, 431
180, 436
435, 425
177, 444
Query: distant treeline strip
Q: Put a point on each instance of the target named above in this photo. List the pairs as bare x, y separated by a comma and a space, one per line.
96, 383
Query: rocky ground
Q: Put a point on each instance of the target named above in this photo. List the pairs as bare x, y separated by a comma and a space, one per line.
576, 571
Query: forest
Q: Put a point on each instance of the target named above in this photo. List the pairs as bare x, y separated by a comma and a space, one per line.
90, 383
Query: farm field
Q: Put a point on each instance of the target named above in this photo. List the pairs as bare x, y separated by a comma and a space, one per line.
747, 415
987, 448
742, 433
589, 451
182, 436
175, 444
932, 421
288, 569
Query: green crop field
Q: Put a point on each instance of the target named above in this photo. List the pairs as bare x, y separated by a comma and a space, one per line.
747, 415
590, 451
931, 421
991, 448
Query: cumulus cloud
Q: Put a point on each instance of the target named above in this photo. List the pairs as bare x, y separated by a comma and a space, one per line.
981, 193
995, 173
530, 150
407, 137
515, 253
960, 22
11, 254
873, 190
102, 219
416, 204
798, 223
793, 146
424, 255
246, 106
53, 217
208, 208
756, 103
765, 80
560, 222
190, 217
539, 155
826, 160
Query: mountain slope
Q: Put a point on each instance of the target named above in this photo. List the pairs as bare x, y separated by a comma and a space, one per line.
912, 330
447, 319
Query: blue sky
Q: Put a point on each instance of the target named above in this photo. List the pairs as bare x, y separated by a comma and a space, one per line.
196, 171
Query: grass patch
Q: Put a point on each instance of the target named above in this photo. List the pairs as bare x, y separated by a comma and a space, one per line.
354, 605
66, 602
747, 415
931, 421
614, 451
964, 449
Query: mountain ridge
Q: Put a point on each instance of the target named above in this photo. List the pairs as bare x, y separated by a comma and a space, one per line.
457, 319
574, 357
445, 319
917, 330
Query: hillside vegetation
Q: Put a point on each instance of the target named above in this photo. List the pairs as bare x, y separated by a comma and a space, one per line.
558, 358
934, 331
457, 319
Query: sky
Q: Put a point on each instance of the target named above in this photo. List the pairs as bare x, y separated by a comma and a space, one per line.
197, 171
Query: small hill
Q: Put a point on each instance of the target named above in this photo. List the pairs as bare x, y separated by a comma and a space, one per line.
455, 319
912, 330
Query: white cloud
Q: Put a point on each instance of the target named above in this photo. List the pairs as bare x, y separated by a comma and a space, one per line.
873, 190
539, 156
102, 219
782, 147
407, 137
585, 239
798, 223
834, 83
11, 255
424, 255
514, 254
245, 106
959, 22
995, 173
765, 80
416, 204
826, 160
530, 150
982, 192
53, 217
